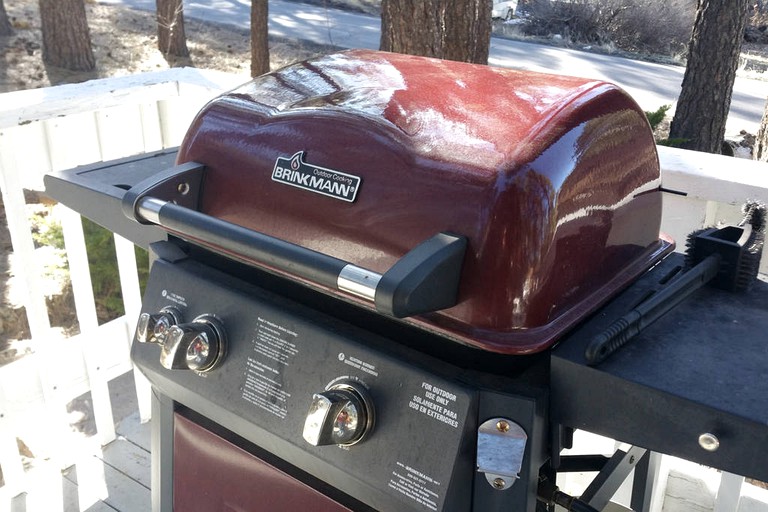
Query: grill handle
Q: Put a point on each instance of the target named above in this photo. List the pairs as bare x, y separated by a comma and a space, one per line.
425, 279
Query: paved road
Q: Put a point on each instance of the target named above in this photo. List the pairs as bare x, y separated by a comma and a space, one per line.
652, 85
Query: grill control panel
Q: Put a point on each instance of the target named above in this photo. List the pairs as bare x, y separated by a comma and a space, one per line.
322, 395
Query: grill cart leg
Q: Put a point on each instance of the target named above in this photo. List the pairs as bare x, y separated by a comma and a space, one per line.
612, 472
646, 473
610, 478
162, 453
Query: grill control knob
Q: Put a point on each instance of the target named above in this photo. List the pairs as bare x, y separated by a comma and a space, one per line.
199, 345
341, 415
154, 328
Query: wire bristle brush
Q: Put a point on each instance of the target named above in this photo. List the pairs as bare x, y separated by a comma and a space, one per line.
727, 258
754, 215
739, 249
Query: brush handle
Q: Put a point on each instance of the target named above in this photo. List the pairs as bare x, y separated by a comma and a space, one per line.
644, 314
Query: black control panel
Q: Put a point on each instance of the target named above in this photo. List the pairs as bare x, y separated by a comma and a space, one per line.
316, 392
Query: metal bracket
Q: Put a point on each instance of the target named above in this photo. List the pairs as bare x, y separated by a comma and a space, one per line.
500, 451
610, 478
179, 185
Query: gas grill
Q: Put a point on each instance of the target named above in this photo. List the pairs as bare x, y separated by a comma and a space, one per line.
374, 278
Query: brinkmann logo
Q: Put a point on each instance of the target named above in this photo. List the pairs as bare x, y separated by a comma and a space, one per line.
296, 172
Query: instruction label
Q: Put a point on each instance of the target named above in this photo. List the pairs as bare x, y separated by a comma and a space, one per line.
274, 347
436, 403
358, 364
415, 485
174, 297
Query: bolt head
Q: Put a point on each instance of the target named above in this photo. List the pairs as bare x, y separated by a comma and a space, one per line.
709, 442
499, 483
502, 426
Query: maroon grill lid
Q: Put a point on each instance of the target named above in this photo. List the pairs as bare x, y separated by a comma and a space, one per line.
553, 180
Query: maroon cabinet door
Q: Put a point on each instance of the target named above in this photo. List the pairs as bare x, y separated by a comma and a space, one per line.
213, 475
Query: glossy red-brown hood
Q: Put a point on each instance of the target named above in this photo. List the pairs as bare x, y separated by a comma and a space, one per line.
553, 180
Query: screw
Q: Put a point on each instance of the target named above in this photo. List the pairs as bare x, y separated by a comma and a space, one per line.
499, 483
502, 426
631, 459
709, 442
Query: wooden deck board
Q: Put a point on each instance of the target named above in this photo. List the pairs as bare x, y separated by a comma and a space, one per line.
98, 483
134, 431
128, 458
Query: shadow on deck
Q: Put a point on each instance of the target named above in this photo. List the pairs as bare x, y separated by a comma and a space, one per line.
115, 477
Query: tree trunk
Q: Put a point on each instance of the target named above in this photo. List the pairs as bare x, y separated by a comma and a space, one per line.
171, 38
5, 24
713, 56
66, 38
445, 29
760, 151
259, 38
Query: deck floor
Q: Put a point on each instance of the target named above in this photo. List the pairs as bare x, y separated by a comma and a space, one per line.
115, 477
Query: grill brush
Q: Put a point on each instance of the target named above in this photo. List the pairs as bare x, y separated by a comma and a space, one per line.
727, 258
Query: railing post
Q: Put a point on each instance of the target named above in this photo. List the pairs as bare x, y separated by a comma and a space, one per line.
729, 493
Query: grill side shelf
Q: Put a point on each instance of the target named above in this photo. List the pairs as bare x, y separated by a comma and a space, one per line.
96, 191
700, 369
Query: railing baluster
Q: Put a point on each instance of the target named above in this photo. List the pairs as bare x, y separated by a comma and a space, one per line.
13, 470
86, 315
729, 493
21, 237
129, 283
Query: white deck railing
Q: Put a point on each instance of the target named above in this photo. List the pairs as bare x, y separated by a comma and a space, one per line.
61, 127
58, 128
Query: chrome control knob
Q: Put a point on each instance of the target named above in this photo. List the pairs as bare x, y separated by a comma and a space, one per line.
199, 345
154, 328
341, 415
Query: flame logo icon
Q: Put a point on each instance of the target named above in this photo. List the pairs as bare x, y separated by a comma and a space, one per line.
296, 161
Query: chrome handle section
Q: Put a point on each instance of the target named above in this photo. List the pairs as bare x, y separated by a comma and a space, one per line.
149, 209
358, 281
